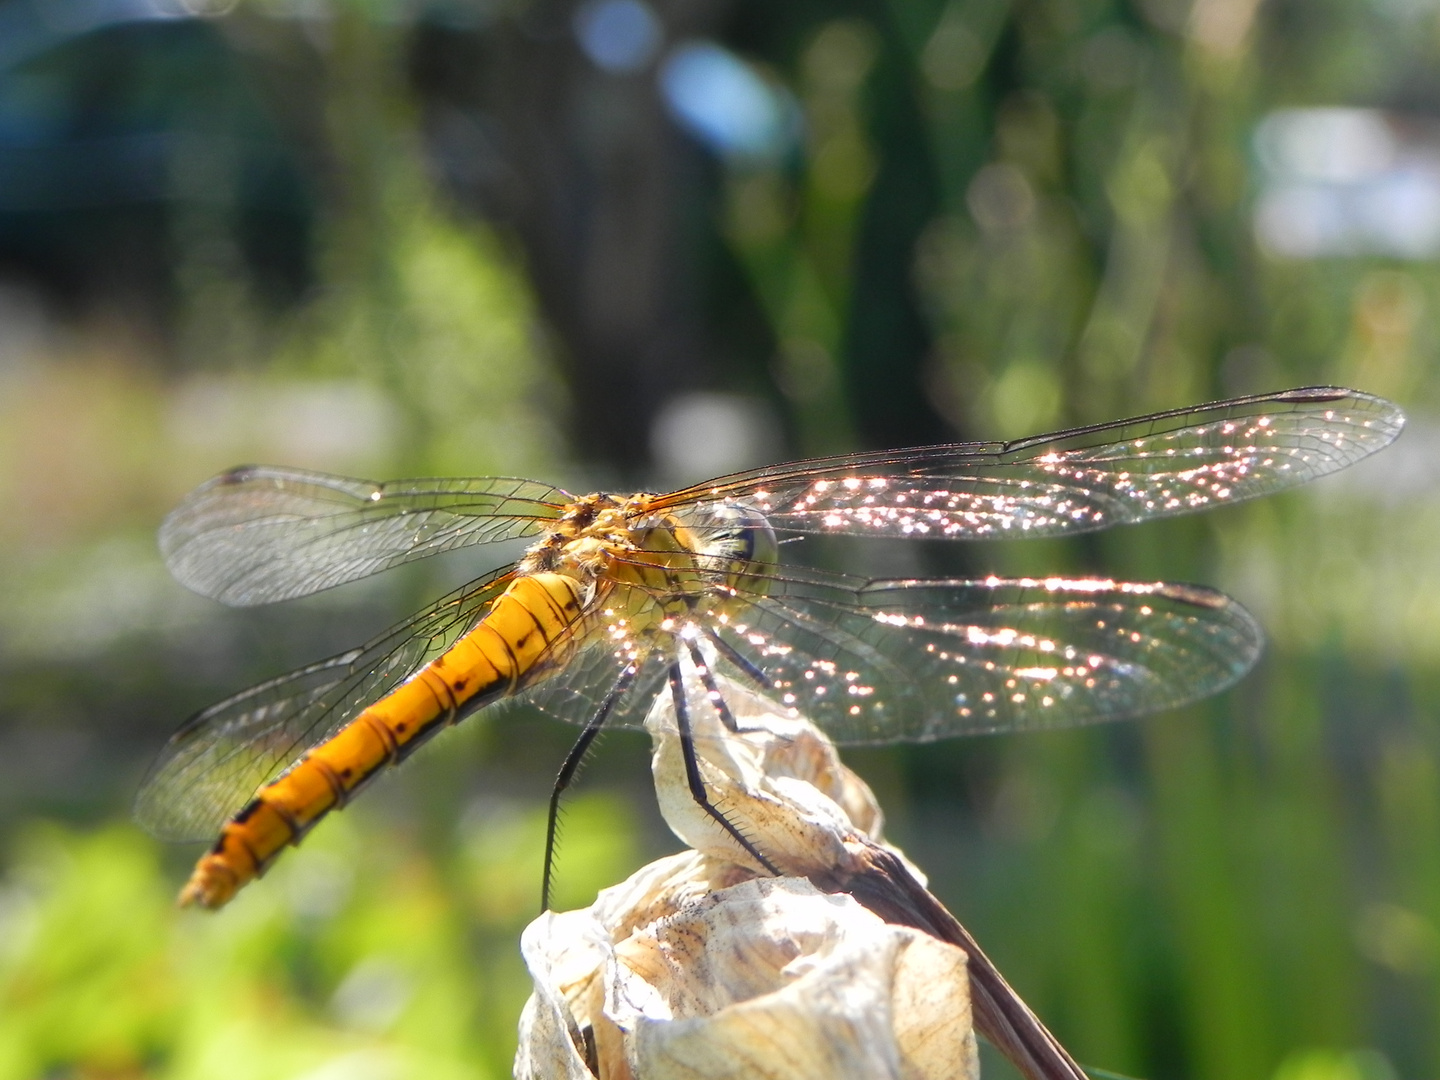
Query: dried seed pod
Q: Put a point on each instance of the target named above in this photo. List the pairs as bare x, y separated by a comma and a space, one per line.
694, 968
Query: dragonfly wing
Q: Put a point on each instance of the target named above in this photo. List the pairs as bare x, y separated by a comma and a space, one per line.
887, 661
214, 764
574, 691
1073, 481
258, 534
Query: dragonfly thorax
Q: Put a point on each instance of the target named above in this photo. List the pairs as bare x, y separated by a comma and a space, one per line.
581, 537
607, 540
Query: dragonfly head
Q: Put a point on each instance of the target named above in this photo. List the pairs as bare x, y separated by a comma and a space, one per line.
741, 538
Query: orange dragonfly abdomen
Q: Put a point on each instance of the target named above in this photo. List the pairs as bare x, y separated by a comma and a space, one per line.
500, 655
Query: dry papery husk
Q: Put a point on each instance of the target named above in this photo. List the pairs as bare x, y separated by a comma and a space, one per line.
697, 968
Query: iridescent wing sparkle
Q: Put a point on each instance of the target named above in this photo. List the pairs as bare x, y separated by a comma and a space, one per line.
870, 661
1073, 481
887, 661
915, 660
260, 534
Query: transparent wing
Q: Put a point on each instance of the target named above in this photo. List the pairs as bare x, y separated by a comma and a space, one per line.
574, 692
885, 661
214, 764
1072, 481
891, 660
257, 534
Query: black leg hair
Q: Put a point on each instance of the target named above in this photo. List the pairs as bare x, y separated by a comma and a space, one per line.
707, 677
569, 768
749, 670
692, 770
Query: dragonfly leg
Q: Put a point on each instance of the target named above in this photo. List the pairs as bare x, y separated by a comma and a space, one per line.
570, 767
707, 677
692, 772
746, 668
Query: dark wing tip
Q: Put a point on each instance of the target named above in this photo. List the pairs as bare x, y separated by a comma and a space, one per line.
240, 474
1237, 616
1388, 414
1374, 422
1195, 596
1318, 393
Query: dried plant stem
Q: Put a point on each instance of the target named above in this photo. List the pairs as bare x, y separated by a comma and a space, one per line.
880, 881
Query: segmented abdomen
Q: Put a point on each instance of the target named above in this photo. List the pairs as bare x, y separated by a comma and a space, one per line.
527, 623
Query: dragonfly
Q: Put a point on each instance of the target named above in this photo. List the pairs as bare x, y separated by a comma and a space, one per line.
618, 596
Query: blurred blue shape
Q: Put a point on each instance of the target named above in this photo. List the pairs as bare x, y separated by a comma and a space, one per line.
30, 28
144, 141
725, 104
619, 36
1345, 181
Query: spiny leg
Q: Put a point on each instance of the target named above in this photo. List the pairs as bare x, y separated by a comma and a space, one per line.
707, 677
745, 667
568, 769
692, 770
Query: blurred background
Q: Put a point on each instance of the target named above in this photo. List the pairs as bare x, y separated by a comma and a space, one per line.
630, 243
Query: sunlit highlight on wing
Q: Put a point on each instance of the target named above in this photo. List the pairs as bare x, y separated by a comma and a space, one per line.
1075, 481
616, 589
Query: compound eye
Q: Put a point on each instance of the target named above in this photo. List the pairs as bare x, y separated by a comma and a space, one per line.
747, 534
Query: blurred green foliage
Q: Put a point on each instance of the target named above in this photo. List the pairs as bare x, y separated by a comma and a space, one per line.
998, 217
369, 957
